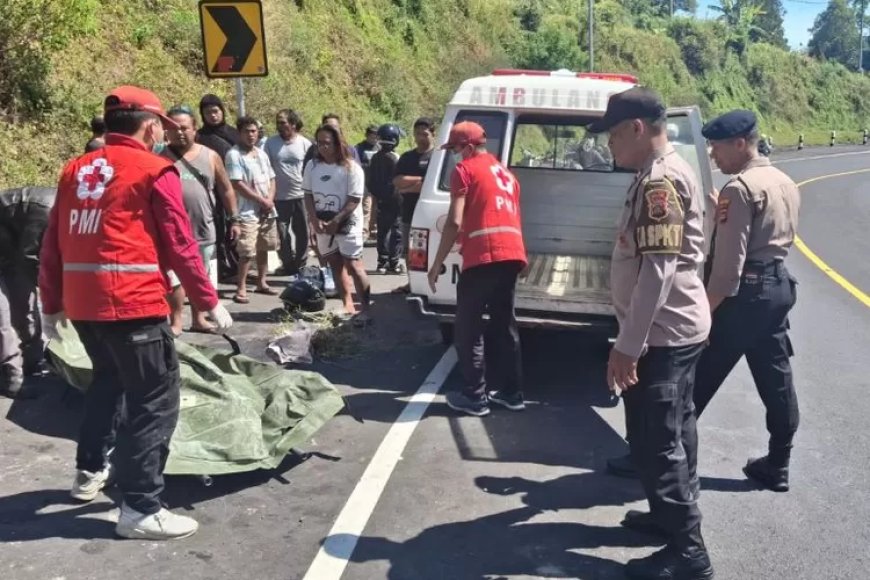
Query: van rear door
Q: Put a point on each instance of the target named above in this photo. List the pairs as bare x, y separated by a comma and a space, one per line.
684, 133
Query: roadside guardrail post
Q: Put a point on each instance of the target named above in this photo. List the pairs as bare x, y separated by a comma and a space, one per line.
833, 138
864, 138
800, 141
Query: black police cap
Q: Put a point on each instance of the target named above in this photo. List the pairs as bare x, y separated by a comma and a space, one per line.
732, 124
635, 103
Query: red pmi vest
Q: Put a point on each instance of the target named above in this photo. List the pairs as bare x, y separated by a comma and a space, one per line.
491, 226
106, 235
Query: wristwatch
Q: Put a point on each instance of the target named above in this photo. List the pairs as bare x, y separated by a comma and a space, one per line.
234, 219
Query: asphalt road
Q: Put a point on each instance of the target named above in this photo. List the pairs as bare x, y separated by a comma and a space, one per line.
506, 496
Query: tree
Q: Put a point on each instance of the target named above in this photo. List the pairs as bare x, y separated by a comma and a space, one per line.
834, 34
659, 8
741, 18
31, 31
553, 45
771, 23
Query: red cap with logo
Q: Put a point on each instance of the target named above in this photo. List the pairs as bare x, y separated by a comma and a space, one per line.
465, 133
130, 98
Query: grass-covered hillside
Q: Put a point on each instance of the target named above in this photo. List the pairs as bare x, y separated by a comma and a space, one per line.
377, 60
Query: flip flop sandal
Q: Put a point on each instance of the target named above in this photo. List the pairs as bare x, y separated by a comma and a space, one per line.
203, 330
241, 299
266, 291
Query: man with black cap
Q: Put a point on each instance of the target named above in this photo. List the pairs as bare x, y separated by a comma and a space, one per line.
664, 320
117, 224
750, 290
220, 137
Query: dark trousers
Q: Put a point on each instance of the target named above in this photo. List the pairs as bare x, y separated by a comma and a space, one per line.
390, 238
755, 324
227, 257
292, 218
663, 438
135, 372
489, 288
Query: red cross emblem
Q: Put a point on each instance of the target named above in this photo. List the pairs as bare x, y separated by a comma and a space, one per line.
93, 179
503, 179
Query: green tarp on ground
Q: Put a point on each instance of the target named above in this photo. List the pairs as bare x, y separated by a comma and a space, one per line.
237, 414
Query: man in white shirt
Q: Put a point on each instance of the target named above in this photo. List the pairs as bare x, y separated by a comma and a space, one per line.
254, 182
286, 152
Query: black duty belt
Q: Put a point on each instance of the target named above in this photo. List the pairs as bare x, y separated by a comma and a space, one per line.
753, 270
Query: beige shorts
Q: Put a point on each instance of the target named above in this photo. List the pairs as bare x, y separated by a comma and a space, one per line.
207, 253
261, 236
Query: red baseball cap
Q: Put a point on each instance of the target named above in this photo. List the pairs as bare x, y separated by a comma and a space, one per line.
132, 98
465, 133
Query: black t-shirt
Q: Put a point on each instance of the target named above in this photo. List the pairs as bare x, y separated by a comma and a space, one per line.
379, 178
412, 163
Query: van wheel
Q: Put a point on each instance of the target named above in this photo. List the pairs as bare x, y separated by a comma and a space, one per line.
446, 329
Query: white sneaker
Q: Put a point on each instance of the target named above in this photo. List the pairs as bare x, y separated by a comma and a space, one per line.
164, 525
87, 485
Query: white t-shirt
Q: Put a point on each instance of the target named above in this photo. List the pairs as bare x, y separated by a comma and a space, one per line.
332, 184
287, 159
256, 171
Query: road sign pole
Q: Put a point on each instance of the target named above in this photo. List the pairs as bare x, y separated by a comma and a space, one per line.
240, 96
591, 19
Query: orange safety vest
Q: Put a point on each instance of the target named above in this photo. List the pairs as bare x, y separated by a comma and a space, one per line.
106, 235
491, 226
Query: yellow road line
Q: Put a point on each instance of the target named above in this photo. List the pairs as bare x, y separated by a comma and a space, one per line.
818, 262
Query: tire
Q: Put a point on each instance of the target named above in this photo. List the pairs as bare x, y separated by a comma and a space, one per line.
446, 329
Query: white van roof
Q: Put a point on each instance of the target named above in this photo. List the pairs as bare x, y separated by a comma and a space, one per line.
551, 90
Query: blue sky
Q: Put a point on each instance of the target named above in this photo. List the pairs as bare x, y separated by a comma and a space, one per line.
799, 17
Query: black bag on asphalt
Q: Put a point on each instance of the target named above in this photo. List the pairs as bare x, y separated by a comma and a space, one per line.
303, 294
313, 274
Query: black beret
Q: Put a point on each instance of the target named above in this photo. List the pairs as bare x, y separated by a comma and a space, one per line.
732, 124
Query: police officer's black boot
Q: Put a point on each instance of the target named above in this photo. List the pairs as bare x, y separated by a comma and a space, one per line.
685, 558
643, 522
771, 471
622, 466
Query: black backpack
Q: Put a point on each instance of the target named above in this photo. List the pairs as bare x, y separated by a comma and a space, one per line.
303, 294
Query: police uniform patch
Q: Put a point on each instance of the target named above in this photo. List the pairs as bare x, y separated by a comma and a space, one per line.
659, 227
722, 209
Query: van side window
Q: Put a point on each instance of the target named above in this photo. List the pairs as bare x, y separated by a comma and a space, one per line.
493, 122
559, 143
679, 129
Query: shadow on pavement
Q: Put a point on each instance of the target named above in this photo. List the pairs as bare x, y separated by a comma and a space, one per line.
727, 485
55, 413
51, 513
507, 543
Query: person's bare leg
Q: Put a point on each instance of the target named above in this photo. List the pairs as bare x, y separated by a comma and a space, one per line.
360, 282
198, 320
176, 309
262, 269
347, 282
342, 282
242, 288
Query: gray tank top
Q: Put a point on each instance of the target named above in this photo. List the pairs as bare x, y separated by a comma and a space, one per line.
198, 201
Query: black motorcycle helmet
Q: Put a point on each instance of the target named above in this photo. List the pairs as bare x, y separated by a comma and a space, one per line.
302, 294
389, 134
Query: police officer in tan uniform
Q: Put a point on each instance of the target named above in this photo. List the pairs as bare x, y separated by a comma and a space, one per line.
664, 321
750, 290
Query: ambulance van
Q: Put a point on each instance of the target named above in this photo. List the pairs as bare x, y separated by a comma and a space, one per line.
571, 192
